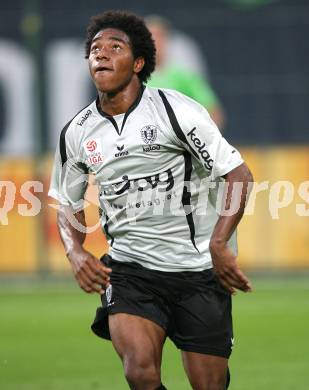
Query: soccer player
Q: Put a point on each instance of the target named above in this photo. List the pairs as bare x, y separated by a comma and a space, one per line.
159, 162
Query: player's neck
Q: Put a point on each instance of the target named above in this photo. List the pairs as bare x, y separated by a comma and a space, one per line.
118, 102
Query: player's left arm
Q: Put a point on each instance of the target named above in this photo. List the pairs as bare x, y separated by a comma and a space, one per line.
200, 136
237, 189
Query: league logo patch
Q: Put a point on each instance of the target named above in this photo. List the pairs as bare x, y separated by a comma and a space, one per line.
91, 145
93, 151
149, 134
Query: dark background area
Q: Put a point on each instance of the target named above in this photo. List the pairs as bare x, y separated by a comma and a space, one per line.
257, 56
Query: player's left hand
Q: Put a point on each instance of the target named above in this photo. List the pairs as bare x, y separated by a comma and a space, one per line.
227, 270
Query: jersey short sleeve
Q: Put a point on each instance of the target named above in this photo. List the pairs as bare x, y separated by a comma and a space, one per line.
69, 177
197, 133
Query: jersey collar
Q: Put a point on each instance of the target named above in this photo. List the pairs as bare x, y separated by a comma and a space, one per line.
130, 109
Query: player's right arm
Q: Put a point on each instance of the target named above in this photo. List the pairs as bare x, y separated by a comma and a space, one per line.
68, 185
90, 273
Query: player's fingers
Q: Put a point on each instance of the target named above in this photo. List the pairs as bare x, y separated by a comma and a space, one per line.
100, 269
91, 269
88, 272
240, 278
95, 276
235, 277
84, 282
91, 287
104, 278
232, 277
226, 284
230, 280
231, 287
98, 289
237, 284
87, 288
106, 270
233, 281
96, 282
240, 275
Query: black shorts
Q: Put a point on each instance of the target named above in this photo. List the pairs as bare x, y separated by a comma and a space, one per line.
192, 307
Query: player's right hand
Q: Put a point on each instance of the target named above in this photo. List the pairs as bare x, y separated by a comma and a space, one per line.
91, 275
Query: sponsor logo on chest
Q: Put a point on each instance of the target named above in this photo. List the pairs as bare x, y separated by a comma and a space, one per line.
164, 181
151, 148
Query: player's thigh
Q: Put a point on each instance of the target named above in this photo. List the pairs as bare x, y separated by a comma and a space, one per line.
205, 372
203, 319
137, 339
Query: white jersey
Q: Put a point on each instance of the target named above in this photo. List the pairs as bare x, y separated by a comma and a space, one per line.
156, 167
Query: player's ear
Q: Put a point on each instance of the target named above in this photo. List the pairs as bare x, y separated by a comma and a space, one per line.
139, 64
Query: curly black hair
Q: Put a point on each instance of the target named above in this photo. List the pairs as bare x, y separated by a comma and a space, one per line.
141, 39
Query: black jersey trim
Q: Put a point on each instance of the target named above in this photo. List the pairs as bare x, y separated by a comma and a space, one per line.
107, 233
186, 196
174, 122
106, 115
133, 106
130, 109
62, 145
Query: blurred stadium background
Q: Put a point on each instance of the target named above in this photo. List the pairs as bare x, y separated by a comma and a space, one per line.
258, 62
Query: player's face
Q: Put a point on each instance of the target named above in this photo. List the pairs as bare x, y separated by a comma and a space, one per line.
111, 62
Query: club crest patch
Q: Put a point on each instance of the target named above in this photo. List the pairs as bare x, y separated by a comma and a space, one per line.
149, 134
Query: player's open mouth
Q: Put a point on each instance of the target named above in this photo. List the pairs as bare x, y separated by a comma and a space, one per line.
103, 69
